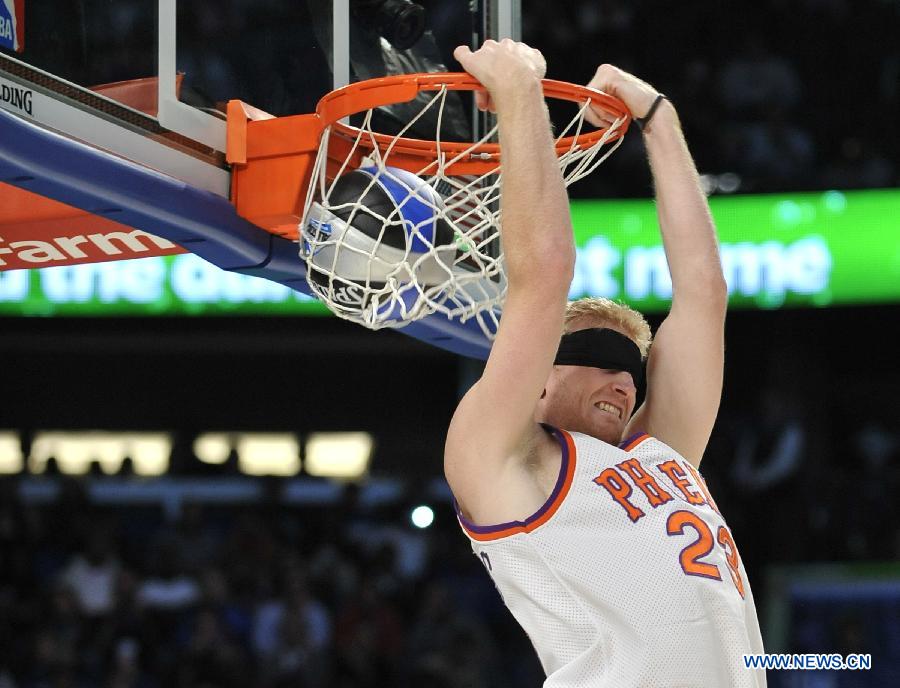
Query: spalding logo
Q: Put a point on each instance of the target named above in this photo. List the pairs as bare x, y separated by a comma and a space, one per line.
349, 295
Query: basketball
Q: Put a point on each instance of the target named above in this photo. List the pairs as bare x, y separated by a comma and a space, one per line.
376, 225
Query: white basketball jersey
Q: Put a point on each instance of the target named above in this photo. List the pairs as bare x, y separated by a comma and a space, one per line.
628, 575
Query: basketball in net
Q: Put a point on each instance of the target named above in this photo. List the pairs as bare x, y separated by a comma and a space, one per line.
381, 234
397, 228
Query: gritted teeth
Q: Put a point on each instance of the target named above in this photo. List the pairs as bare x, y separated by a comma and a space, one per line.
609, 408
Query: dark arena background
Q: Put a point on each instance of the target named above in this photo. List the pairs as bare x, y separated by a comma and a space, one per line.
168, 510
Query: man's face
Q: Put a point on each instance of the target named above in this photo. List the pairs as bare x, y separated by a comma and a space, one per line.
593, 401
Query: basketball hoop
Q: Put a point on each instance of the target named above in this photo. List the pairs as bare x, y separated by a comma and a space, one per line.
428, 242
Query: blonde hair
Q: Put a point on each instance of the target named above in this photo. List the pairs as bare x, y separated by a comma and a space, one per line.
617, 315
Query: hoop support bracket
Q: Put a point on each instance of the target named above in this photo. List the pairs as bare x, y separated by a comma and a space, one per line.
272, 160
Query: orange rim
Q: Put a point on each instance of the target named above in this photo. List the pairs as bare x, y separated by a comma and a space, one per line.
372, 93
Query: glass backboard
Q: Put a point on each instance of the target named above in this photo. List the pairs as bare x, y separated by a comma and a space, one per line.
112, 117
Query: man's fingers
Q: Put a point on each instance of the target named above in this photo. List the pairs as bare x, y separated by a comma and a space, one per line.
461, 54
604, 77
593, 118
499, 65
599, 117
484, 102
637, 95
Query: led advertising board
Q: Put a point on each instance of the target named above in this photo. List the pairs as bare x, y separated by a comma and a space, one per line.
802, 250
811, 249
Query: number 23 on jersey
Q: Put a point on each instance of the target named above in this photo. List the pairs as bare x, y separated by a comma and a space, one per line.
692, 555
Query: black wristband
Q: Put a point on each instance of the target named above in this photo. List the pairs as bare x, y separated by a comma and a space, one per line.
642, 122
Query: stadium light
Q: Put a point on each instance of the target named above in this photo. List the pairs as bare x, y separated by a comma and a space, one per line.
422, 516
268, 454
212, 447
11, 459
149, 452
76, 451
341, 455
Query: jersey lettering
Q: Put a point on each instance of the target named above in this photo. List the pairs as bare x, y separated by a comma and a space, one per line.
731, 557
619, 489
692, 489
618, 483
680, 480
691, 555
701, 483
656, 495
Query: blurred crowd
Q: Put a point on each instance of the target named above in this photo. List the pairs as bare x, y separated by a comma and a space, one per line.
351, 594
778, 95
799, 492
805, 466
804, 463
338, 596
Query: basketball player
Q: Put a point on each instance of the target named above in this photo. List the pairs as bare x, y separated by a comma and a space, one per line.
589, 515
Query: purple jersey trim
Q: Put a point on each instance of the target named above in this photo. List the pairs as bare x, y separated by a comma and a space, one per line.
624, 443
560, 481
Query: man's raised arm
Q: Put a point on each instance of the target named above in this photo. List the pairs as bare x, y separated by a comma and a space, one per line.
493, 429
684, 369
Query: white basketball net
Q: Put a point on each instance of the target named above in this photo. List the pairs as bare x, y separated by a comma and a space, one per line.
363, 279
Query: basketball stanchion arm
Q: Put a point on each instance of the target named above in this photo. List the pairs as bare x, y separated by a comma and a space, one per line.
92, 180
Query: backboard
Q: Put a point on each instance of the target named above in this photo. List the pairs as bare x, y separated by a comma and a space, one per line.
113, 129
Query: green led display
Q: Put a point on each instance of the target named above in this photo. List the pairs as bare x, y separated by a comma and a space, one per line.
812, 249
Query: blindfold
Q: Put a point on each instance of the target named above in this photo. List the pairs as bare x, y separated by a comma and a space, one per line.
600, 347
